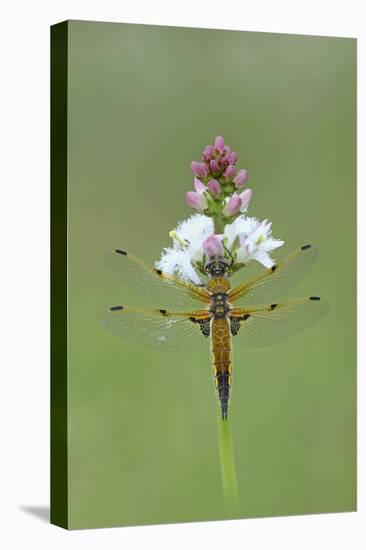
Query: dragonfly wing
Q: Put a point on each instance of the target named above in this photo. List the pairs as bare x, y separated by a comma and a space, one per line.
161, 288
271, 284
255, 326
159, 328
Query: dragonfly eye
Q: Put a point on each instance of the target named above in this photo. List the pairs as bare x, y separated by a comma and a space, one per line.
217, 266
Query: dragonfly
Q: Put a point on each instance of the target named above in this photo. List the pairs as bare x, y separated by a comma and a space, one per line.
189, 316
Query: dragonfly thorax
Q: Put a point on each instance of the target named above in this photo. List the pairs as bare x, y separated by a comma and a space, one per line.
219, 305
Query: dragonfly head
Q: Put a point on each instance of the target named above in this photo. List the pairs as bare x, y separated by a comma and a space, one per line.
217, 266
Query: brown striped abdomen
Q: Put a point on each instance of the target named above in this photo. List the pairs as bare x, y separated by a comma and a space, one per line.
221, 354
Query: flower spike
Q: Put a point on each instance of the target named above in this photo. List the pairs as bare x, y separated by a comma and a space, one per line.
222, 226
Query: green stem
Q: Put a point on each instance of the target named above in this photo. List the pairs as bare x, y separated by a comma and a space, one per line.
228, 472
218, 224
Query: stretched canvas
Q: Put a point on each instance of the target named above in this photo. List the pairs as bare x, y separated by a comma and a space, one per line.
203, 202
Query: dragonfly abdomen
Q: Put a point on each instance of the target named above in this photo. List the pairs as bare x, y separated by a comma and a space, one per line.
221, 353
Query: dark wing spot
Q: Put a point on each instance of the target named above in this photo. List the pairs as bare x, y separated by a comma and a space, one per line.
273, 268
116, 308
205, 326
314, 298
305, 246
121, 252
246, 316
158, 271
273, 306
162, 311
234, 325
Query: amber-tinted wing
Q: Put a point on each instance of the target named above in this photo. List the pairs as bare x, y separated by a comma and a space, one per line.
161, 288
271, 284
255, 326
159, 328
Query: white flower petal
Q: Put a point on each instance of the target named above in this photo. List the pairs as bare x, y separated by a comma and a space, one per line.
254, 237
195, 228
242, 254
241, 226
264, 258
177, 261
271, 244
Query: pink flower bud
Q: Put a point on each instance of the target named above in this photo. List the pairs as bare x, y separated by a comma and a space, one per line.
233, 206
241, 178
212, 246
199, 168
246, 197
230, 171
214, 166
219, 144
199, 186
232, 158
223, 162
214, 187
227, 149
196, 200
207, 152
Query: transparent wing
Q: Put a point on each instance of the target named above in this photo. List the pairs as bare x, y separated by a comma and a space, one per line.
161, 288
264, 325
160, 329
272, 283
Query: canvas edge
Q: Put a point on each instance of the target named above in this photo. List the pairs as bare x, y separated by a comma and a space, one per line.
58, 254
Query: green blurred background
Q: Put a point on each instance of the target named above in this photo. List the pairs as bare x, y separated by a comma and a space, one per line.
143, 102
